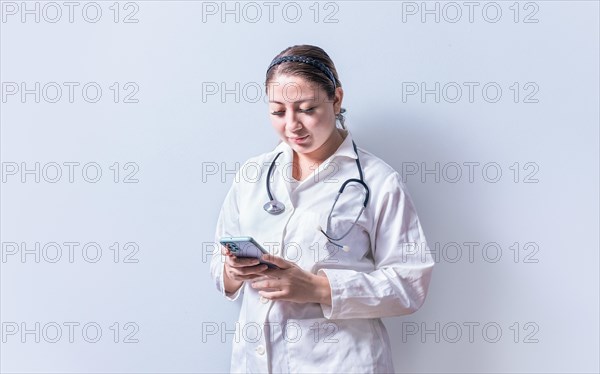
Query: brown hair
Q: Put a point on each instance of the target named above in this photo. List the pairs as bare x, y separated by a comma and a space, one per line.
304, 70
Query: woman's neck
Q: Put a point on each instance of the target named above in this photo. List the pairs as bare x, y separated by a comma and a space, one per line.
304, 163
318, 156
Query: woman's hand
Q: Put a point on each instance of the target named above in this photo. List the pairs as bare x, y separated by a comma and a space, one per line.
292, 283
237, 270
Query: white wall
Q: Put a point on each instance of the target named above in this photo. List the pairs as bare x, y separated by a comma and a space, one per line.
545, 304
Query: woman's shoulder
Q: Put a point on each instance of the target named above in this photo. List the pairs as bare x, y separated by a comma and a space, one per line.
263, 159
255, 166
383, 180
376, 168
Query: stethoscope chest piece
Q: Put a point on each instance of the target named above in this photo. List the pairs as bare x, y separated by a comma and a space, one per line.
274, 207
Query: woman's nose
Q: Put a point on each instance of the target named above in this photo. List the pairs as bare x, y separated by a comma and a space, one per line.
291, 121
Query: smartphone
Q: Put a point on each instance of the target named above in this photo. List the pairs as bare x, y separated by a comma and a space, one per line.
245, 247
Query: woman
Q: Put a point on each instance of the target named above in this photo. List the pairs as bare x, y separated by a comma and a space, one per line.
339, 270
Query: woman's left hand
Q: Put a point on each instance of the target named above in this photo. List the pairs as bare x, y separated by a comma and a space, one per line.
292, 283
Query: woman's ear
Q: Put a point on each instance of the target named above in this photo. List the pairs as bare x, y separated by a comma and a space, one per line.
337, 100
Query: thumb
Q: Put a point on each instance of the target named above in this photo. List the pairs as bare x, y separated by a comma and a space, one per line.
275, 260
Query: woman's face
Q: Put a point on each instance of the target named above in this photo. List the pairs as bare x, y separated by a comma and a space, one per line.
301, 112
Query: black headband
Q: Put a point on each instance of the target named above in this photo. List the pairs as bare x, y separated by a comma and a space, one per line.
307, 60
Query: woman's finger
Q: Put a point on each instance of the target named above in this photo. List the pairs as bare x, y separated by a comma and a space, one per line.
242, 262
273, 295
246, 270
245, 277
277, 261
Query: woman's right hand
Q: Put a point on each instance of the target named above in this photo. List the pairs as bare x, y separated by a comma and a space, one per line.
241, 269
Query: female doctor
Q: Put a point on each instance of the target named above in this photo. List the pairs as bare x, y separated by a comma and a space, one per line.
345, 260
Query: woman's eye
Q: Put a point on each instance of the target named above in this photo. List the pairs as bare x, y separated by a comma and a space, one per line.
282, 112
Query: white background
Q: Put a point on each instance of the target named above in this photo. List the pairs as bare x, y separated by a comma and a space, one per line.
184, 145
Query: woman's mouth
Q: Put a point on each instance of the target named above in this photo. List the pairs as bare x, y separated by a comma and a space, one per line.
299, 140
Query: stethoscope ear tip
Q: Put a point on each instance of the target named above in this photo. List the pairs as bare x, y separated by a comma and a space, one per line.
345, 248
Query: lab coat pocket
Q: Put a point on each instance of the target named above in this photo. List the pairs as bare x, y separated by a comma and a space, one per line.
319, 252
353, 240
312, 250
320, 345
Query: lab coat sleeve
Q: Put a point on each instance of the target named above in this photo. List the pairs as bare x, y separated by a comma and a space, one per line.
403, 264
227, 225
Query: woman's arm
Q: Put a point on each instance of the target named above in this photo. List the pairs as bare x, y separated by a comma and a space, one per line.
228, 287
227, 225
228, 271
398, 285
402, 260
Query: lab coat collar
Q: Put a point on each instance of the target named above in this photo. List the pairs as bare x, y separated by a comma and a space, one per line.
345, 149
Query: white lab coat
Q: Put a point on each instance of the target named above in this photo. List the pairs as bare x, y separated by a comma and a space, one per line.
386, 271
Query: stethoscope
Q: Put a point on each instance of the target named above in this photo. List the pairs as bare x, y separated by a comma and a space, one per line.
275, 207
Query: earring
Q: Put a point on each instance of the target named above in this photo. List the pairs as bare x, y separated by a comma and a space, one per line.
341, 118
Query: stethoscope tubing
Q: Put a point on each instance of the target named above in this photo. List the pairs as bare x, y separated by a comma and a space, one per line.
275, 207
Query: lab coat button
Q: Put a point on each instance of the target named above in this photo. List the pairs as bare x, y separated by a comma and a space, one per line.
264, 300
260, 350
